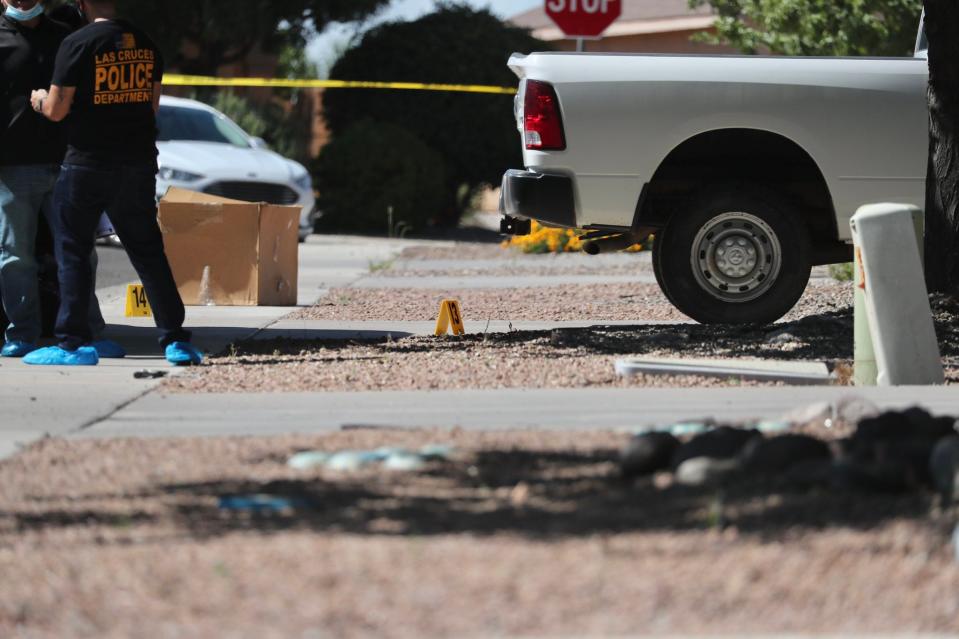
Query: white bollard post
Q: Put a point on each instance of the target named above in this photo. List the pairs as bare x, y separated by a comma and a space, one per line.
864, 358
897, 304
864, 371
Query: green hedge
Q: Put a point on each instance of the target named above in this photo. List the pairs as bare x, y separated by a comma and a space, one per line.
372, 167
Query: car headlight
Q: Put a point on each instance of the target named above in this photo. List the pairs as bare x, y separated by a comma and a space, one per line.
304, 182
176, 175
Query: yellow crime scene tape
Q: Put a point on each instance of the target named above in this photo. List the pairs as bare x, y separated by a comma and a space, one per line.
209, 81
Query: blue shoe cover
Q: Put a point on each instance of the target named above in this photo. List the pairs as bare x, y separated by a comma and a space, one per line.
183, 354
108, 349
56, 356
17, 349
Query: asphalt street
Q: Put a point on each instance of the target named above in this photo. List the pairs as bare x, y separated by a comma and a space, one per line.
114, 267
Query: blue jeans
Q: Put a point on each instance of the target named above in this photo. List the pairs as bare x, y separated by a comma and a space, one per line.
26, 192
127, 195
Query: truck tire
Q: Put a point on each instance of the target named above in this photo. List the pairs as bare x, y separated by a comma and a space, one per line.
657, 260
733, 255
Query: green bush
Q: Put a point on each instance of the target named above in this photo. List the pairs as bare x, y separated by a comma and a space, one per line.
474, 133
841, 272
372, 167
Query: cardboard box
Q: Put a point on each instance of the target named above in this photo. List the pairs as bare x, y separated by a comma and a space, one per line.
231, 253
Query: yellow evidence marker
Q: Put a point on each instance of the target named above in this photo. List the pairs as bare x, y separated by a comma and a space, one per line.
137, 303
450, 316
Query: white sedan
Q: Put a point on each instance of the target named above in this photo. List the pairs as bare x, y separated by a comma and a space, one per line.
203, 150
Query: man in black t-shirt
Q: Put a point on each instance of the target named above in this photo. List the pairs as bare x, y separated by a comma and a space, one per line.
31, 149
107, 77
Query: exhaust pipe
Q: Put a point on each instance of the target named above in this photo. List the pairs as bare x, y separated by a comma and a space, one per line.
611, 244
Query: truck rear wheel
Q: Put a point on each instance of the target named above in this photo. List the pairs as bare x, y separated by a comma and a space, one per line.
733, 256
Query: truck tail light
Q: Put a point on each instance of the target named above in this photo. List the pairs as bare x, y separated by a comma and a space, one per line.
542, 122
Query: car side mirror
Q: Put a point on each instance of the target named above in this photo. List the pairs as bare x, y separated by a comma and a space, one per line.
259, 143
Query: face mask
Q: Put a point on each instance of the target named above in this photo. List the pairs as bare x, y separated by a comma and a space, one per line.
24, 16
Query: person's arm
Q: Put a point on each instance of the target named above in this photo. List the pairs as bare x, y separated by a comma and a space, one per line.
55, 104
157, 89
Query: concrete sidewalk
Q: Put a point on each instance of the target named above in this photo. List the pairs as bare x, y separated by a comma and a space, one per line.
214, 414
106, 401
55, 401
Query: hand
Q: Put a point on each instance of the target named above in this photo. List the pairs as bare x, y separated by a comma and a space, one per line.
37, 98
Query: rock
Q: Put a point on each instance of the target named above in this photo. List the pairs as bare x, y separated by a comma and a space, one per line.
259, 503
875, 476
777, 454
912, 423
519, 495
647, 453
944, 468
350, 460
925, 425
767, 426
886, 426
810, 473
852, 409
437, 452
720, 443
707, 471
912, 453
905, 437
849, 409
782, 337
915, 453
308, 459
404, 461
692, 428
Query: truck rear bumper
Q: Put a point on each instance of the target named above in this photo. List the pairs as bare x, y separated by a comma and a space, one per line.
538, 196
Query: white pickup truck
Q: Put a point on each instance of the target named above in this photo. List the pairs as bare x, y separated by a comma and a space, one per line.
746, 168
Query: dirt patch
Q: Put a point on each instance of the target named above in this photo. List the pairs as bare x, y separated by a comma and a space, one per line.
519, 534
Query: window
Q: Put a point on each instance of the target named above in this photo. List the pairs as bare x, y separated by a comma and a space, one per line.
198, 125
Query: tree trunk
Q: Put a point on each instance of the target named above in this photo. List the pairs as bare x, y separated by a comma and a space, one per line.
942, 181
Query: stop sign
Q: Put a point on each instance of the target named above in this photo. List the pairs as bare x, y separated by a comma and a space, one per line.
583, 18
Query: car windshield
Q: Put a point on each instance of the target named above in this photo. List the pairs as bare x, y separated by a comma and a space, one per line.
199, 125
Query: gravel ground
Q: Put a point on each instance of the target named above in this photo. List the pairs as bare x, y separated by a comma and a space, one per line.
599, 302
410, 263
459, 251
562, 358
521, 359
520, 534
517, 268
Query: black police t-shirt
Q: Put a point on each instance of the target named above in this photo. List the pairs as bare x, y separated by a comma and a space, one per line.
113, 66
26, 63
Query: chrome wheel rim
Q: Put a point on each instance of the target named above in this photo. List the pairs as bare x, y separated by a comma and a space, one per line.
736, 257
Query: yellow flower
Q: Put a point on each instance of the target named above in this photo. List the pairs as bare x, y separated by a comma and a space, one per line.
544, 239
